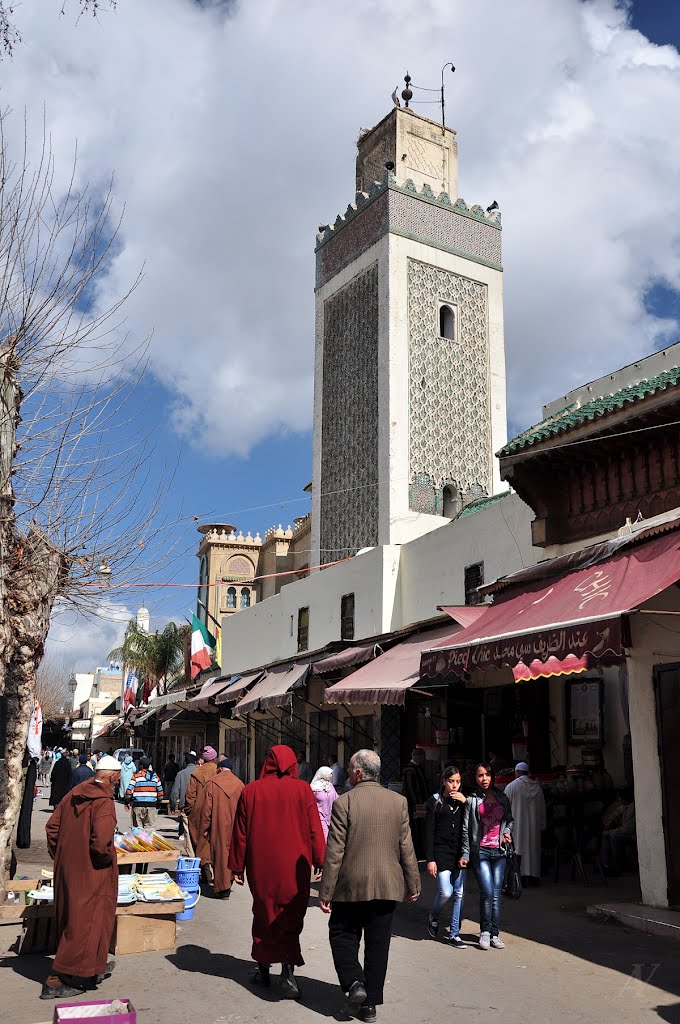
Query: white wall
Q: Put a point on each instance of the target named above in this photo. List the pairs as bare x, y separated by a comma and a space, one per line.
432, 569
263, 633
84, 683
652, 644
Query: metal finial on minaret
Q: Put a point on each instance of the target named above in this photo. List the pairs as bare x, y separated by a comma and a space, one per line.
407, 94
449, 65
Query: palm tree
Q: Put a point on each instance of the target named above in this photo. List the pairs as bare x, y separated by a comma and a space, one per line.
156, 657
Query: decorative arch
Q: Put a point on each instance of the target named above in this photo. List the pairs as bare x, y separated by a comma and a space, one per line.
231, 597
447, 322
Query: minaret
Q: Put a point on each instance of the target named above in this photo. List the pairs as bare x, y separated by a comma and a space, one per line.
143, 619
409, 390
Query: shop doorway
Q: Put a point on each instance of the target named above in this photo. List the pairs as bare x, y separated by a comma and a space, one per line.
667, 690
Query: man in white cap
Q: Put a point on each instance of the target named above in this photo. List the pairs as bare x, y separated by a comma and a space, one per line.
528, 810
80, 841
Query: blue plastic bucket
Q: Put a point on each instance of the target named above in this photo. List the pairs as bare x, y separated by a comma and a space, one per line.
188, 863
188, 879
190, 901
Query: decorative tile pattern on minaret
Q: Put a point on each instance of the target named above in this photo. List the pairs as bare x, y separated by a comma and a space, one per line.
349, 466
449, 415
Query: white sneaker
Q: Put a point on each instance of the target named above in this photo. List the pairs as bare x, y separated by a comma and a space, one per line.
484, 940
497, 942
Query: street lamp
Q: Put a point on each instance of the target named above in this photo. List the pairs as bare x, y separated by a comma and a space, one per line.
73, 686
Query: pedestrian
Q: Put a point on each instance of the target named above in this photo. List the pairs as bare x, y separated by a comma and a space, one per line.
179, 787
82, 772
169, 774
370, 862
487, 826
44, 766
217, 823
143, 795
443, 849
528, 809
277, 840
414, 786
339, 775
80, 841
60, 780
193, 804
620, 836
305, 770
73, 758
325, 796
127, 770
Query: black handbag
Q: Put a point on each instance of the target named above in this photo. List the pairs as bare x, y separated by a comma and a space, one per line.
512, 886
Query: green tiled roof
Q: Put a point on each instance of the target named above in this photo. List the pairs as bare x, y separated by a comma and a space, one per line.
575, 415
481, 503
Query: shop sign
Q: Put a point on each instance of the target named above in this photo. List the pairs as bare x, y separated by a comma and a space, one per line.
82, 723
595, 638
78, 736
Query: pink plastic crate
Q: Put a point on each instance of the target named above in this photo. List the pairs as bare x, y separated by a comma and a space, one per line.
77, 1013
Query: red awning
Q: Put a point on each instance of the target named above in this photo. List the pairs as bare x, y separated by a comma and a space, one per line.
464, 614
561, 624
386, 680
357, 654
273, 689
237, 687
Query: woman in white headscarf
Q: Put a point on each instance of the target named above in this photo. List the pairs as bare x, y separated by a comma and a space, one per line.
324, 792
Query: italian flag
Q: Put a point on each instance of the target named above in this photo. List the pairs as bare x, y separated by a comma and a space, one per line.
202, 647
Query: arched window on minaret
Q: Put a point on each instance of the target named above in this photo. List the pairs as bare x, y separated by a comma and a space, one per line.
245, 597
447, 322
451, 501
231, 597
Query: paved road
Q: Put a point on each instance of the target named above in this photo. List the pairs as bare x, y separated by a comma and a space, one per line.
559, 966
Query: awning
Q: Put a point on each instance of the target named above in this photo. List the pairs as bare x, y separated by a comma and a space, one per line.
357, 654
145, 714
167, 698
213, 686
561, 624
273, 688
464, 614
105, 730
386, 680
238, 687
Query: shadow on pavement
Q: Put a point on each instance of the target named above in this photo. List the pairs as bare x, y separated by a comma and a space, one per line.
669, 1013
554, 915
34, 968
318, 996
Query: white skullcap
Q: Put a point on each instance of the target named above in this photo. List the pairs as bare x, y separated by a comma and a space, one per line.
522, 766
108, 764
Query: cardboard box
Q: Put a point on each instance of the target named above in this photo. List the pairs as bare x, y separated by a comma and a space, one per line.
137, 934
84, 1013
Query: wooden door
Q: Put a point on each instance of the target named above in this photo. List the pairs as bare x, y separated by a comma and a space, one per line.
667, 690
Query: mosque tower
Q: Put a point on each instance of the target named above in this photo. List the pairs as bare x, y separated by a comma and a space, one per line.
409, 390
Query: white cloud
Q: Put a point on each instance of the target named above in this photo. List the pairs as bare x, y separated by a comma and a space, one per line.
232, 136
83, 643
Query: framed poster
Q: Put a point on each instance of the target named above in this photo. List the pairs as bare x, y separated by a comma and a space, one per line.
585, 718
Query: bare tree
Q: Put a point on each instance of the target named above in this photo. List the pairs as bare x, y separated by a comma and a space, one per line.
10, 35
52, 680
73, 463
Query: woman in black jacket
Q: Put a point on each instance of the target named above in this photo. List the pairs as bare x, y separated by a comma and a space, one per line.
443, 845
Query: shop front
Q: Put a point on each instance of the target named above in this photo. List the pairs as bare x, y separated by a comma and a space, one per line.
585, 636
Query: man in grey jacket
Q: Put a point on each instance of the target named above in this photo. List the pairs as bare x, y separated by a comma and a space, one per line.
370, 862
179, 789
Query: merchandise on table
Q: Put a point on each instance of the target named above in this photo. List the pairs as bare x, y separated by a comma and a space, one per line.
136, 840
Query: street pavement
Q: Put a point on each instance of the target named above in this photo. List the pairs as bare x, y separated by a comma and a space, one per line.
560, 965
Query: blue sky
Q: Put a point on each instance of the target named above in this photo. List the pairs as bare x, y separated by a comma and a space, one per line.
233, 137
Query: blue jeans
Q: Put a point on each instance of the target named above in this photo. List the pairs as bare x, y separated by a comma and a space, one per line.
490, 871
450, 883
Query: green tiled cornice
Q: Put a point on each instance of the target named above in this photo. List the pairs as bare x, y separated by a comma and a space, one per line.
575, 415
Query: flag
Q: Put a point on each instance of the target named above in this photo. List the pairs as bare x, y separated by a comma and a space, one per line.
218, 646
130, 690
202, 647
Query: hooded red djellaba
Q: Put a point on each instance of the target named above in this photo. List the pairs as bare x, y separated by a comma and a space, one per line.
277, 840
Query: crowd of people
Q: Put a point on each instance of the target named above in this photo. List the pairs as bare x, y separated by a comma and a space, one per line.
358, 839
